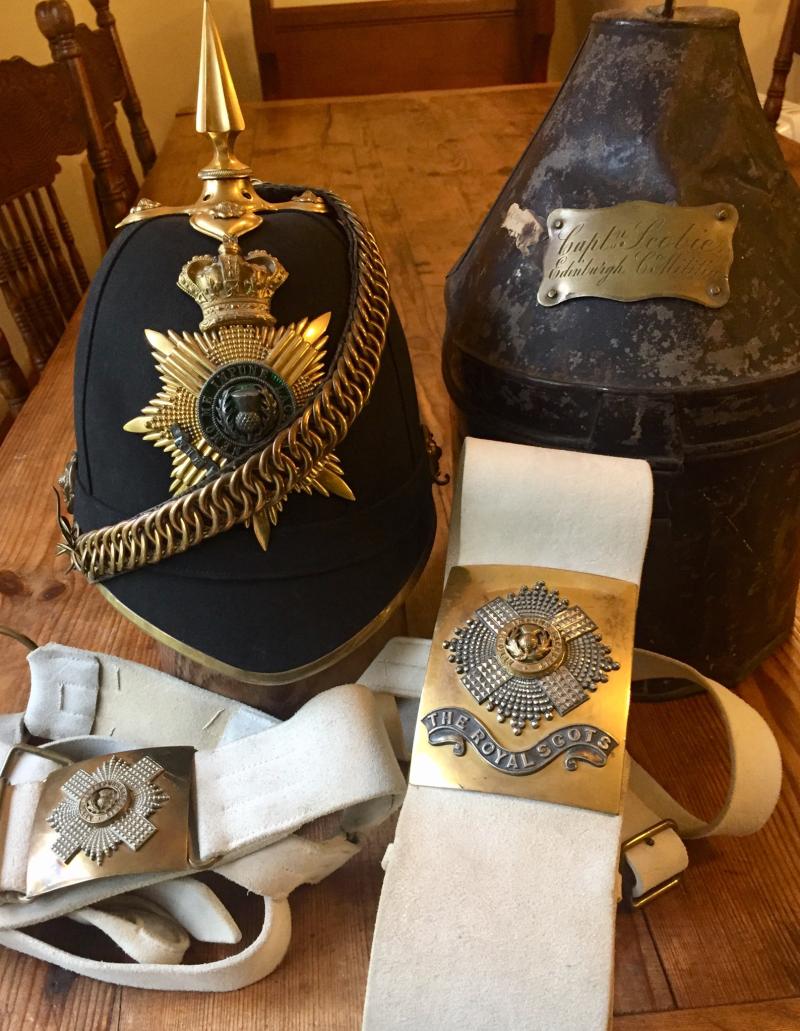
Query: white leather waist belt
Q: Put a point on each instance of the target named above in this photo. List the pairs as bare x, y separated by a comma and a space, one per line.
108, 821
522, 806
501, 886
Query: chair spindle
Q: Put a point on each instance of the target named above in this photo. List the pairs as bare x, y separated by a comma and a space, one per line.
57, 24
131, 104
13, 384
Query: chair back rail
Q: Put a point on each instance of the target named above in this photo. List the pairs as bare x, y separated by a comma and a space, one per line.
127, 95
107, 88
99, 68
31, 299
45, 112
789, 46
115, 185
42, 275
13, 384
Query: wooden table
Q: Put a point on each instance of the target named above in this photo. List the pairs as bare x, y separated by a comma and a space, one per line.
723, 950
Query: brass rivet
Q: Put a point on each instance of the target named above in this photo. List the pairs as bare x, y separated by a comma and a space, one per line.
714, 290
721, 215
558, 224
552, 292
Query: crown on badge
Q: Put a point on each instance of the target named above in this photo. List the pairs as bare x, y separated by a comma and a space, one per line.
232, 288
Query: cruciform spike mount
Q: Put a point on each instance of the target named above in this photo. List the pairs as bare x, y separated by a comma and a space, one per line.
229, 205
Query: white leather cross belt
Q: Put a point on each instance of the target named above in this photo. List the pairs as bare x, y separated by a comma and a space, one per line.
501, 886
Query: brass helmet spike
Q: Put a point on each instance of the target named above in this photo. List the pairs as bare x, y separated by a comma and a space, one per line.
228, 196
218, 112
218, 109
229, 205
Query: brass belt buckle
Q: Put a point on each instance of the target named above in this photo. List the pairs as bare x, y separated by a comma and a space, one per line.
25, 749
529, 685
126, 813
648, 836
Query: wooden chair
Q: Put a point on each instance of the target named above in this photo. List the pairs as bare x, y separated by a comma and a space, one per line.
106, 44
101, 76
788, 47
13, 384
385, 46
48, 111
42, 275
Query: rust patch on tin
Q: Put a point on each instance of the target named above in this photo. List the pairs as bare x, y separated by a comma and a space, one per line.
524, 228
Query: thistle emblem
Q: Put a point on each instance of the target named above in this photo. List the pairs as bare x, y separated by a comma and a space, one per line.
229, 388
529, 655
107, 808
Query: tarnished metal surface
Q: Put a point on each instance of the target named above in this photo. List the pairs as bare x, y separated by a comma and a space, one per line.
662, 111
94, 821
558, 646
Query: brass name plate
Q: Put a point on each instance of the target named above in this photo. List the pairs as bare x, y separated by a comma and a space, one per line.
638, 250
528, 686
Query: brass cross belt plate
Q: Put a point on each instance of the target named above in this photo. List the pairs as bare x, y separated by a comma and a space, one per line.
126, 813
637, 250
528, 686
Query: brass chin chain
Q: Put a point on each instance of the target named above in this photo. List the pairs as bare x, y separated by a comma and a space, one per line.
267, 477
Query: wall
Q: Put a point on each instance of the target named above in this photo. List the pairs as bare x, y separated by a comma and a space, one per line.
572, 19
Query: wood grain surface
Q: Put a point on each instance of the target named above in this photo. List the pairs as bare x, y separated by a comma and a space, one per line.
721, 951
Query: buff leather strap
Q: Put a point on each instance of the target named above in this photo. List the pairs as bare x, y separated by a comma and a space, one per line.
489, 889
495, 890
397, 675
